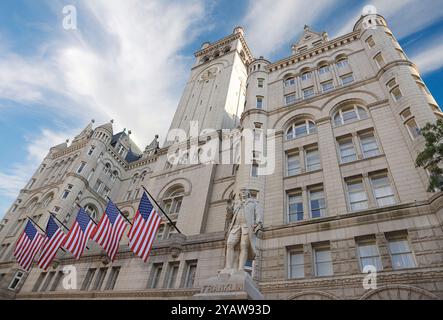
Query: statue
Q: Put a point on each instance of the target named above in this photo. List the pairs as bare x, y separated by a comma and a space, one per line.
246, 219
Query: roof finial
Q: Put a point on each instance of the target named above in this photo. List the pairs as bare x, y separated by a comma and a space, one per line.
306, 27
67, 140
112, 121
129, 132
92, 120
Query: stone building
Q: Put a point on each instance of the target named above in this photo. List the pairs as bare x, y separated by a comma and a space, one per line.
344, 192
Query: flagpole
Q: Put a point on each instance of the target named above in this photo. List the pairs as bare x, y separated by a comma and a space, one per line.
61, 223
120, 211
37, 225
161, 209
86, 213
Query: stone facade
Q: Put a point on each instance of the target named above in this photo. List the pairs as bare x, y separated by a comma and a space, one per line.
344, 191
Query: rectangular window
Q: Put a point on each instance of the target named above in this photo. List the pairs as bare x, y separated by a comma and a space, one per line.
405, 114
295, 207
307, 93
98, 186
81, 167
88, 279
155, 275
293, 164
396, 93
349, 78
160, 231
382, 190
370, 42
378, 58
368, 255
106, 192
358, 199
296, 264
259, 102
327, 86
260, 82
91, 150
290, 98
100, 278
67, 191
323, 262
3, 249
347, 150
15, 282
401, 254
254, 169
317, 203
190, 274
172, 275
42, 168
128, 195
369, 145
413, 129
115, 271
312, 160
289, 82
391, 83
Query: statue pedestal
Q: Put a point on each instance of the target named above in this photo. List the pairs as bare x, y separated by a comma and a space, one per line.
237, 285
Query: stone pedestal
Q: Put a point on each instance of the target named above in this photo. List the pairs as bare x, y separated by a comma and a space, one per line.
229, 286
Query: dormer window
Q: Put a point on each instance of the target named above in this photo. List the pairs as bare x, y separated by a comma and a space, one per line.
121, 150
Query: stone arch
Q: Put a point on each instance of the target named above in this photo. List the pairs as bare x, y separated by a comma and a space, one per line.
346, 102
46, 200
310, 112
185, 183
226, 193
312, 295
364, 97
399, 292
130, 210
93, 202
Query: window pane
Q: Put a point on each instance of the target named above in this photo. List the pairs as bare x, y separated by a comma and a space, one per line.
312, 160
401, 261
323, 263
295, 208
293, 165
296, 265
347, 151
369, 146
317, 203
349, 115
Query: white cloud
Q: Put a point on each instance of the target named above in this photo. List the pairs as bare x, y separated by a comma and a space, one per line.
122, 63
429, 57
13, 179
270, 24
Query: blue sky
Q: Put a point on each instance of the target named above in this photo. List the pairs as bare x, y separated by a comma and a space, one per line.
129, 60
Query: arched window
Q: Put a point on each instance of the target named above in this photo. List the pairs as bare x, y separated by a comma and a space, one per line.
173, 198
47, 200
349, 114
32, 205
91, 210
323, 67
114, 175
107, 168
289, 80
305, 74
300, 128
342, 62
134, 178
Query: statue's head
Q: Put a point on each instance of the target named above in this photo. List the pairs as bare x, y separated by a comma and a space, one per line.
244, 194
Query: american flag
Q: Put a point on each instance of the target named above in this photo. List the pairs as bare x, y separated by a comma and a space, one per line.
79, 234
142, 232
53, 240
27, 246
110, 229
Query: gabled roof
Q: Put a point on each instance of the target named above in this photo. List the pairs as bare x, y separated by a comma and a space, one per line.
308, 39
